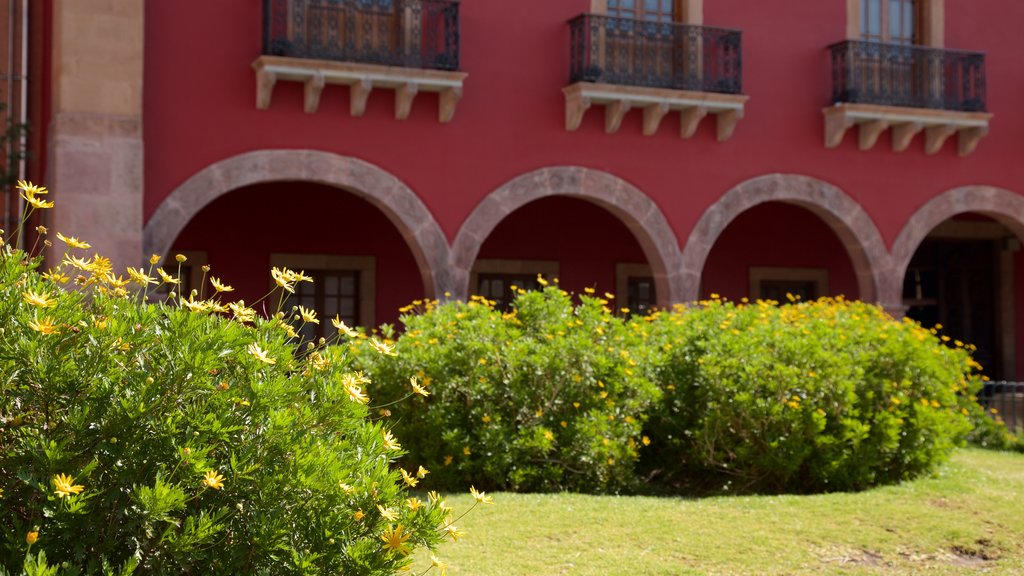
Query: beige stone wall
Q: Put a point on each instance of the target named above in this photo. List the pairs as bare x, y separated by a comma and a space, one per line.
95, 148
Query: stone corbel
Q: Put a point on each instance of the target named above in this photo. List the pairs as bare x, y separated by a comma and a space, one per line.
836, 126
689, 119
869, 133
447, 100
314, 86
575, 107
727, 120
903, 134
404, 95
265, 81
652, 117
968, 138
935, 137
614, 112
358, 94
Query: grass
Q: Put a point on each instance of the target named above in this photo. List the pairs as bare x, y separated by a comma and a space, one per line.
965, 519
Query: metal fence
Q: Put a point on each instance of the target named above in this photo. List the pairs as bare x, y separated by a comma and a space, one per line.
1007, 398
406, 33
655, 54
907, 75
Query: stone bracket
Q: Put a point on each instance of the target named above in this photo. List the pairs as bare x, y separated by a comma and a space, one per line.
938, 126
361, 80
655, 103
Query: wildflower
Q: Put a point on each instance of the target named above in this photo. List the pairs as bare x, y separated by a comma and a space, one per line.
73, 242
346, 488
219, 287
422, 472
260, 353
541, 280
283, 278
466, 451
645, 441
42, 229
167, 278
342, 328
394, 540
195, 306
32, 537
37, 202
64, 485
308, 315
414, 504
44, 326
409, 478
140, 277
241, 313
448, 460
100, 265
181, 258
383, 347
358, 515
416, 388
38, 299
58, 277
154, 259
452, 530
549, 435
352, 386
486, 419
387, 513
390, 443
481, 497
441, 566
213, 480
29, 189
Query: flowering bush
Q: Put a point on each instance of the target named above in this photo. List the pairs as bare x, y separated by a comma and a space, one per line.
816, 396
547, 396
166, 439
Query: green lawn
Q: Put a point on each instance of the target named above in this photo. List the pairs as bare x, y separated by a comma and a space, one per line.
966, 519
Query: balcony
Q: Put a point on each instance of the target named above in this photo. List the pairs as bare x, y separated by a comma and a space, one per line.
909, 89
623, 63
405, 45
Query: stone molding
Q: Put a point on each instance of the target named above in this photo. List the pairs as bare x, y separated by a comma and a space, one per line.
854, 227
626, 202
386, 192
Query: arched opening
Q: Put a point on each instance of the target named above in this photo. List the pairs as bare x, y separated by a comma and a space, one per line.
774, 249
579, 242
363, 268
965, 276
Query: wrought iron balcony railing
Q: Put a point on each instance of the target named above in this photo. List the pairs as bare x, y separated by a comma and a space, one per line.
906, 75
655, 54
406, 33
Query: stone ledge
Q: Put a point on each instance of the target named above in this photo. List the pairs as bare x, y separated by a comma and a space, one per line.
655, 103
361, 80
873, 119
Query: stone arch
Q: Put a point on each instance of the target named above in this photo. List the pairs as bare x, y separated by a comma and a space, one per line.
1001, 205
383, 190
626, 202
842, 214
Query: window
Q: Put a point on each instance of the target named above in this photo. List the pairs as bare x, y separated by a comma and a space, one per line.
494, 279
650, 10
895, 21
634, 285
775, 283
342, 286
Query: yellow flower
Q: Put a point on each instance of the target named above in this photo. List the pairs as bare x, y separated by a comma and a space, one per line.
342, 328
390, 442
53, 276
44, 326
448, 460
32, 537
466, 451
442, 568
140, 277
358, 515
242, 314
39, 299
645, 441
154, 259
195, 306
73, 242
308, 315
42, 229
417, 389
486, 419
383, 347
434, 496
219, 287
387, 513
481, 497
30, 189
394, 540
422, 472
414, 504
181, 258
409, 478
167, 278
64, 485
283, 278
260, 353
548, 435
37, 202
213, 480
452, 530
352, 386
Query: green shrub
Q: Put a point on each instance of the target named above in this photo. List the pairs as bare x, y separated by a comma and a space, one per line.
159, 439
547, 396
816, 396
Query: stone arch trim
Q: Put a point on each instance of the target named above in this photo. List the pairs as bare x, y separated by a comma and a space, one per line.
626, 202
1002, 205
383, 190
854, 227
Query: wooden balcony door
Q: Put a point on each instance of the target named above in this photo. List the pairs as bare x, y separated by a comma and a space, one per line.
905, 74
645, 45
